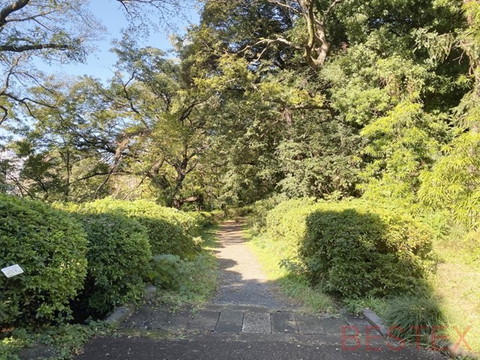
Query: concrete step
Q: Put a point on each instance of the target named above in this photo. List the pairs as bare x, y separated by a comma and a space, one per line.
246, 320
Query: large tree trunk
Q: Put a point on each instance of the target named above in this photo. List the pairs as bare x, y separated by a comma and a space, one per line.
317, 47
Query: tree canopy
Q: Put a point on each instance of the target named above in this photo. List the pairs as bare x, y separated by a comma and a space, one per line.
327, 99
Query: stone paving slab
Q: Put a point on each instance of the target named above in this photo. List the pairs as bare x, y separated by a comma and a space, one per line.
308, 324
283, 322
175, 322
244, 308
257, 323
230, 321
256, 320
142, 318
357, 322
204, 320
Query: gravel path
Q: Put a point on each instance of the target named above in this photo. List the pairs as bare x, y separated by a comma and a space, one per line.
242, 280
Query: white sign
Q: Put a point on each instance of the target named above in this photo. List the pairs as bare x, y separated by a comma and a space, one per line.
12, 271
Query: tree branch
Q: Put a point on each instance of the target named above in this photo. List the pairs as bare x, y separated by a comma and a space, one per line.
33, 17
267, 43
5, 114
332, 6
23, 48
9, 9
284, 5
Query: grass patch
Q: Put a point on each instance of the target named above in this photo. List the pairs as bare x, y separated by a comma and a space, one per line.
198, 276
356, 306
291, 282
458, 287
452, 309
415, 319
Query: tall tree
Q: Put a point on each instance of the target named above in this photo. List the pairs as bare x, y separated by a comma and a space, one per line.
49, 30
60, 30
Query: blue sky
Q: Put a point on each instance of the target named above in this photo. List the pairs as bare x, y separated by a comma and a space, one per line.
100, 63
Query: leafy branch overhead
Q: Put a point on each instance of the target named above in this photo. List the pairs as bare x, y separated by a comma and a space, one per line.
62, 31
321, 98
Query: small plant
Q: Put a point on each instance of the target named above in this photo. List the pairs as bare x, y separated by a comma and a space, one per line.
166, 271
414, 318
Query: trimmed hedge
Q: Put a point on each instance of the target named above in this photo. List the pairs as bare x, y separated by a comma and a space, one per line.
354, 249
118, 261
170, 231
50, 246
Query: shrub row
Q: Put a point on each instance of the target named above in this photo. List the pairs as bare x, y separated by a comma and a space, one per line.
51, 248
170, 231
118, 257
352, 248
89, 258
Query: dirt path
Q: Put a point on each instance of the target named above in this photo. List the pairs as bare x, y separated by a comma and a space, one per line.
242, 280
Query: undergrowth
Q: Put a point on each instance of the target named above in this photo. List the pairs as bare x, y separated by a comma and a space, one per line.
195, 279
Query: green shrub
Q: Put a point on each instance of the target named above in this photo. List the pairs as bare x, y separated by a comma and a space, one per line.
170, 231
257, 219
354, 249
118, 258
203, 219
50, 246
287, 220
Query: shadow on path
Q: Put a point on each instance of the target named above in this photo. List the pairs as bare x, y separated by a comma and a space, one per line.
241, 279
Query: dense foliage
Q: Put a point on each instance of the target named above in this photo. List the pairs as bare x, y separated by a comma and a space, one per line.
357, 250
169, 230
50, 247
265, 101
377, 100
353, 249
118, 262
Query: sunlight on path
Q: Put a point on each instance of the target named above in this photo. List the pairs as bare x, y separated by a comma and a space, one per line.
242, 280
